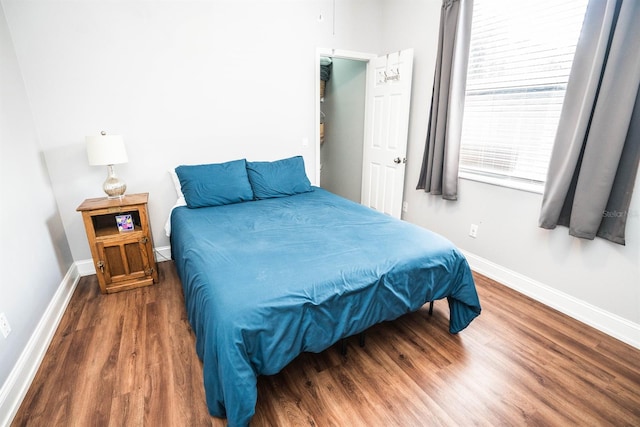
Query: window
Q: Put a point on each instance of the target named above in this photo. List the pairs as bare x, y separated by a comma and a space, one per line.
519, 63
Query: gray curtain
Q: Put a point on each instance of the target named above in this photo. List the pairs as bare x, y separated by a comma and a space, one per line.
439, 174
597, 147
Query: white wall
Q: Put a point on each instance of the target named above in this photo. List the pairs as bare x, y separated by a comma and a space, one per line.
182, 81
600, 276
34, 253
341, 153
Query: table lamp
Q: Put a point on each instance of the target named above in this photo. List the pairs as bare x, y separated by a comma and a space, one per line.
108, 150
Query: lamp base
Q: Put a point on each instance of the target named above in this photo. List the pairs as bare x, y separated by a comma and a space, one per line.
113, 186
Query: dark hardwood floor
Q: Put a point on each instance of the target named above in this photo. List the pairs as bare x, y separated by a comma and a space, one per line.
128, 359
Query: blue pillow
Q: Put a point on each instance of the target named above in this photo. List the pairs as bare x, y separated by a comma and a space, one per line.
281, 178
215, 184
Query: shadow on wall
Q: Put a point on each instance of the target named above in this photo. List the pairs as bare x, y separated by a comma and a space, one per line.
55, 227
59, 243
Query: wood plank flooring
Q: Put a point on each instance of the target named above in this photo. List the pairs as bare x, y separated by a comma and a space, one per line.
128, 359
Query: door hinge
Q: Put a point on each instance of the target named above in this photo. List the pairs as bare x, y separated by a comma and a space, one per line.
100, 265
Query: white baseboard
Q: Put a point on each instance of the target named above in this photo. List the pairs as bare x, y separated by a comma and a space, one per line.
17, 384
86, 267
604, 321
163, 253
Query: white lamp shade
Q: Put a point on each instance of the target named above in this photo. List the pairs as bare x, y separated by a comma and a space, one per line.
106, 150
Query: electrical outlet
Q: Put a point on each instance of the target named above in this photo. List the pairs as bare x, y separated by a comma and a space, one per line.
473, 231
5, 328
405, 206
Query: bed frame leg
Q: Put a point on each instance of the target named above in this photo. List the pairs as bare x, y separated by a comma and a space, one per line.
431, 308
343, 343
343, 347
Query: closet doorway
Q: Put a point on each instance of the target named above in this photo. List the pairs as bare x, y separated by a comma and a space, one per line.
341, 122
362, 155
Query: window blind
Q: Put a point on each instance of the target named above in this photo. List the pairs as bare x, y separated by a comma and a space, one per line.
520, 58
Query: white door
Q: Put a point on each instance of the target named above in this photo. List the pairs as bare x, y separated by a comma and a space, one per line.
387, 103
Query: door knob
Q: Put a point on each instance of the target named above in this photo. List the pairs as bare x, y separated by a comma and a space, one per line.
397, 160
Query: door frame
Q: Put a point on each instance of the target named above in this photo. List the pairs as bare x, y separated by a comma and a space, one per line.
333, 53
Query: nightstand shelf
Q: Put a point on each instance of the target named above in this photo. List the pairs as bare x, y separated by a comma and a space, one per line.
123, 259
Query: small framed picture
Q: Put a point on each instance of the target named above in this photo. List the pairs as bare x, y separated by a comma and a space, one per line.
125, 222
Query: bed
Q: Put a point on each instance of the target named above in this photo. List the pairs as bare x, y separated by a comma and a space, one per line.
270, 277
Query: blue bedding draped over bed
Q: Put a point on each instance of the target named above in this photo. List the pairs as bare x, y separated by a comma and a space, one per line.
266, 280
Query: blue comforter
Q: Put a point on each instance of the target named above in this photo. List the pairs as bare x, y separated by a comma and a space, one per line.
266, 280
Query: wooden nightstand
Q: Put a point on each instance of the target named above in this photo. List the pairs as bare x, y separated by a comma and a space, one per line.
123, 259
